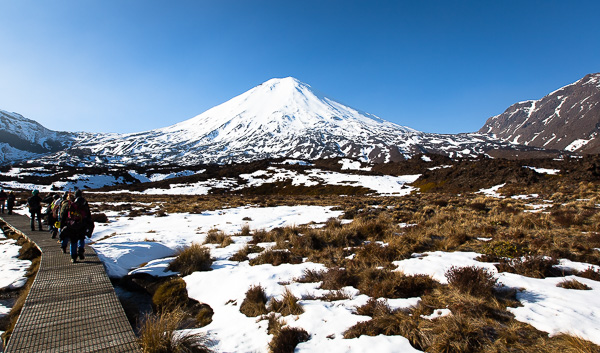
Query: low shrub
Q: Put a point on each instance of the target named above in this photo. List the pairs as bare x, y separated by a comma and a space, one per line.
531, 266
288, 305
590, 273
286, 339
254, 303
191, 259
471, 280
573, 284
503, 249
311, 276
374, 307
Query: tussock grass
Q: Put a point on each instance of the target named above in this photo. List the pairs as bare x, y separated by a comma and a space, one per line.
170, 295
191, 259
159, 334
378, 283
254, 303
573, 284
215, 236
287, 305
286, 339
276, 257
242, 254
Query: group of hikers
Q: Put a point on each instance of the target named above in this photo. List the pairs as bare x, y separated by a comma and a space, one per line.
68, 217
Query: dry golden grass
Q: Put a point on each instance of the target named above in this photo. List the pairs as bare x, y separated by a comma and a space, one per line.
191, 259
170, 295
159, 334
573, 284
520, 242
287, 305
254, 303
215, 236
286, 339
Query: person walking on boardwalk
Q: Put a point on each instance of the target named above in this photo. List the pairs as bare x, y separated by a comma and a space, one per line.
63, 213
35, 209
10, 202
79, 225
3, 198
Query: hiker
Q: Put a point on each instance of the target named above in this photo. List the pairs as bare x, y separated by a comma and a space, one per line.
3, 198
52, 215
10, 202
63, 212
35, 209
79, 225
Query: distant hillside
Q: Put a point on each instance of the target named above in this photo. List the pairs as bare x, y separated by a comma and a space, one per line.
22, 138
566, 119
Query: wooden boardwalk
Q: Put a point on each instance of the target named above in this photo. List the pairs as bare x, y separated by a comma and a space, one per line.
72, 307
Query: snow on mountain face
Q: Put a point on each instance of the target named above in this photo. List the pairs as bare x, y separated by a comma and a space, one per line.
22, 138
279, 118
566, 119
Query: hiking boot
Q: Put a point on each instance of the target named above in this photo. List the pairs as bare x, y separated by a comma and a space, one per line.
74, 259
81, 256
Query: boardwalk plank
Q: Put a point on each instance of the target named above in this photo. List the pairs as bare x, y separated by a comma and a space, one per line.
70, 307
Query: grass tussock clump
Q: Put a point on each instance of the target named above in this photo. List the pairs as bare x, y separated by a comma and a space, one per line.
191, 259
170, 295
471, 280
159, 334
379, 283
287, 305
242, 254
286, 339
573, 284
254, 303
215, 236
276, 257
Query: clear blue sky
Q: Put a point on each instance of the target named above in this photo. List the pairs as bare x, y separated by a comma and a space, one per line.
435, 66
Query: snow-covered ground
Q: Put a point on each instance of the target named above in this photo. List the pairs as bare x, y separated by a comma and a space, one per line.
143, 239
147, 244
12, 270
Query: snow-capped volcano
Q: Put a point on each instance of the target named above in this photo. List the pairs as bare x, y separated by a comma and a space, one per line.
279, 118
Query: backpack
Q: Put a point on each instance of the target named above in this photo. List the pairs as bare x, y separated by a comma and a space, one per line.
55, 207
76, 213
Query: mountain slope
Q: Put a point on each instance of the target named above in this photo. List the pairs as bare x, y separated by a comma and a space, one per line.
22, 138
566, 119
279, 118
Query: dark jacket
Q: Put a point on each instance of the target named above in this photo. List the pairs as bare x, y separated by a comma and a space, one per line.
34, 203
10, 201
